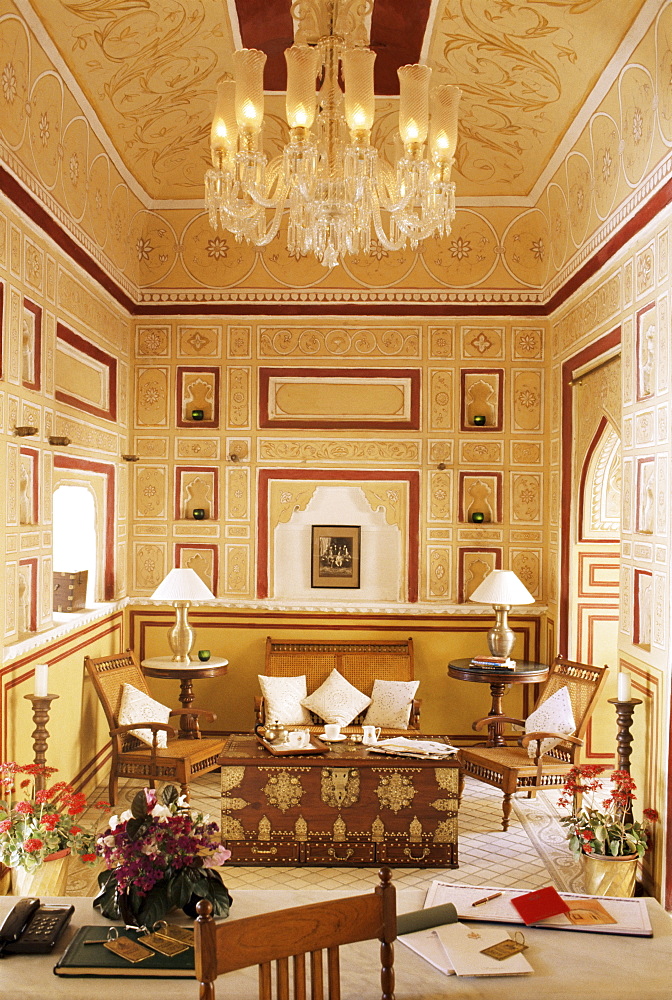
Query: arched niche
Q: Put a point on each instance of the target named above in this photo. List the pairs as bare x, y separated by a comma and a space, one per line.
383, 575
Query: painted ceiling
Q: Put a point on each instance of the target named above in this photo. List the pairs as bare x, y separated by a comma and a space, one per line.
149, 70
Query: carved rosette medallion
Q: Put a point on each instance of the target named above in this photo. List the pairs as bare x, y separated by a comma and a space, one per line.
395, 790
340, 787
283, 790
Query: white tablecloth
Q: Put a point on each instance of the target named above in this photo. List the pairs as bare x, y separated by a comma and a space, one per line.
568, 965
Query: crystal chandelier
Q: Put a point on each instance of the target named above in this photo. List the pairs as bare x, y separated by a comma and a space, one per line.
339, 193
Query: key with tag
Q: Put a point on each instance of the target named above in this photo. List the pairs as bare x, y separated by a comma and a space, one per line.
184, 935
506, 948
162, 943
128, 949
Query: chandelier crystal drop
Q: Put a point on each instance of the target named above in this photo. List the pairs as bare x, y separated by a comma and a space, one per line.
340, 194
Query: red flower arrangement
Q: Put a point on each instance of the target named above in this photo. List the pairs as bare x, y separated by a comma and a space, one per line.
607, 829
42, 823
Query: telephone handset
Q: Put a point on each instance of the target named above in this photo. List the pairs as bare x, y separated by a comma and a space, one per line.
33, 929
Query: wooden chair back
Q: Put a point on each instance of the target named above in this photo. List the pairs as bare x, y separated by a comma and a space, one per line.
109, 674
300, 934
584, 682
360, 662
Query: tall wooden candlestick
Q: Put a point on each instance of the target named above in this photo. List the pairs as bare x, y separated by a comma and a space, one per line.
41, 705
624, 712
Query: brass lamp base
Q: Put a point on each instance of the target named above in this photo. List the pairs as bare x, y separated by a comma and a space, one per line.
501, 638
181, 635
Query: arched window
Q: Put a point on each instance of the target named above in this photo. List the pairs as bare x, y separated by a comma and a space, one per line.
75, 546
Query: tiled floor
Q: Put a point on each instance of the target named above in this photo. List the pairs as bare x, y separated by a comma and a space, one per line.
530, 854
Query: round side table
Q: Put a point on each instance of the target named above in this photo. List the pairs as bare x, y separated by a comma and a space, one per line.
525, 672
186, 673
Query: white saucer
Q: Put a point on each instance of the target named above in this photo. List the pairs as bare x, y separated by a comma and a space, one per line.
332, 739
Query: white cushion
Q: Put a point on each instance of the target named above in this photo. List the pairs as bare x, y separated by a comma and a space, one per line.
391, 704
553, 716
136, 706
282, 697
337, 700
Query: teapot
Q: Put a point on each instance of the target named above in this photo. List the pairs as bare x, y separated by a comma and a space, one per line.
274, 732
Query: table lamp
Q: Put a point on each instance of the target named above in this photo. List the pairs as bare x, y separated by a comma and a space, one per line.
182, 587
501, 588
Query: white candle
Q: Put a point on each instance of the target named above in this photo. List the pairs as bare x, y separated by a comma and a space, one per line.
624, 686
41, 680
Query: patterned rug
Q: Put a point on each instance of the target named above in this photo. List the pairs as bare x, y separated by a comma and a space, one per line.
540, 819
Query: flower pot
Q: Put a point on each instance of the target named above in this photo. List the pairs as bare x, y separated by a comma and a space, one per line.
605, 876
46, 880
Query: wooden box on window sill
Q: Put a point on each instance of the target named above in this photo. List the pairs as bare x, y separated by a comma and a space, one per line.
70, 591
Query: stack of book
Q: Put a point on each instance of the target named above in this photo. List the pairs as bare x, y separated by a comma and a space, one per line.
493, 662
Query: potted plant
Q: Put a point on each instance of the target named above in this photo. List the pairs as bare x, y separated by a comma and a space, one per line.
37, 826
603, 830
160, 854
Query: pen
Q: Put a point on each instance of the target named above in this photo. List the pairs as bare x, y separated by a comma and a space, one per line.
486, 899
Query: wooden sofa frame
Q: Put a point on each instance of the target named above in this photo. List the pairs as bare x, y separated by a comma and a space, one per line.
361, 662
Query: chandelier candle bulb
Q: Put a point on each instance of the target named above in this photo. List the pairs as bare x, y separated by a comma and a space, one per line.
359, 96
443, 124
41, 680
224, 133
249, 71
413, 103
301, 76
624, 686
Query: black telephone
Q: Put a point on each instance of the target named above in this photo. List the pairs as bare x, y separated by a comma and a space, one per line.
33, 929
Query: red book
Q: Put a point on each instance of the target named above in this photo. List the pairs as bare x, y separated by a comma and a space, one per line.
541, 903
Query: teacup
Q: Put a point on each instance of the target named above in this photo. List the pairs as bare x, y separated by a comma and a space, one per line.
298, 738
370, 734
332, 730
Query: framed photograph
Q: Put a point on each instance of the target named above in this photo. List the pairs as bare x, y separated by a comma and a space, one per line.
335, 555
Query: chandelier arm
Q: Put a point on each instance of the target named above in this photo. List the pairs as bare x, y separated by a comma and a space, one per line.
386, 241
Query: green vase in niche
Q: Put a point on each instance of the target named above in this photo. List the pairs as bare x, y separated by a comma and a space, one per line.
198, 514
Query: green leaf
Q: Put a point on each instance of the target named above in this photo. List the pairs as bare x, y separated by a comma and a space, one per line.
219, 897
106, 900
180, 888
170, 795
139, 805
155, 905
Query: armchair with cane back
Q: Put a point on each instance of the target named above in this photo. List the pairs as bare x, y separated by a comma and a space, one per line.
131, 758
301, 934
510, 767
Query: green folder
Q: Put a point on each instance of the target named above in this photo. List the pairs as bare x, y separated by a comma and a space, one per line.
81, 959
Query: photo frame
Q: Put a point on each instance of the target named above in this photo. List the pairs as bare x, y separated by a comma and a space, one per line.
335, 555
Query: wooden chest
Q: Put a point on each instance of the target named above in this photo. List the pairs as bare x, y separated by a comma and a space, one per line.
346, 806
70, 591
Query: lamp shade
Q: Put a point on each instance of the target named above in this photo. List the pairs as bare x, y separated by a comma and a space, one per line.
182, 585
502, 586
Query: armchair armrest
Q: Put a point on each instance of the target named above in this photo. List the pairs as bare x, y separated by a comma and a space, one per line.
156, 727
259, 709
499, 719
529, 737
